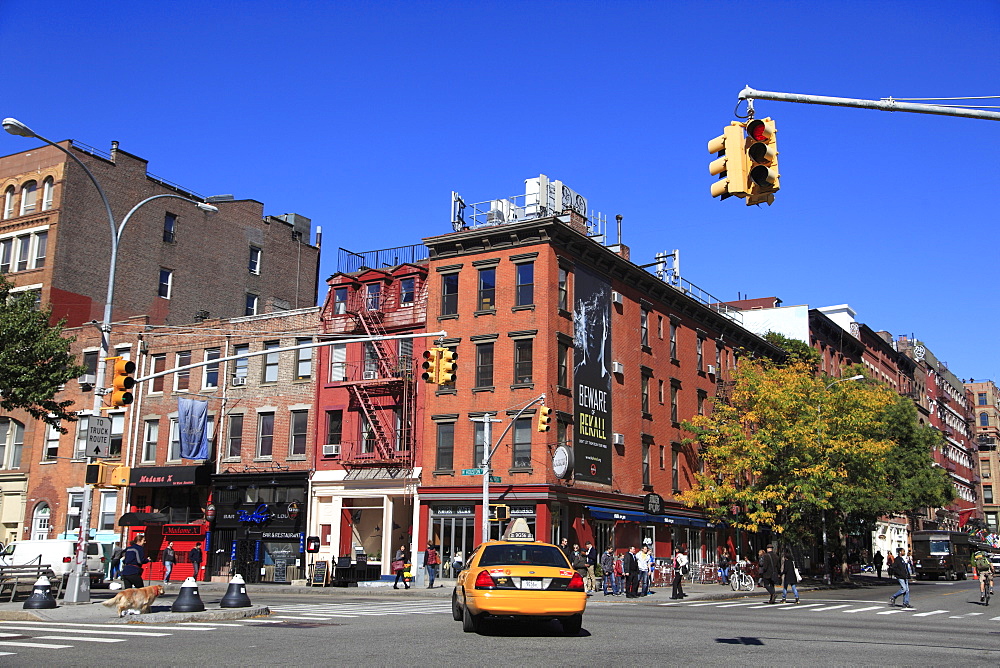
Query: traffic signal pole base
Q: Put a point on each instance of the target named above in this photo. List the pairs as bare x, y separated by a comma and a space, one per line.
77, 589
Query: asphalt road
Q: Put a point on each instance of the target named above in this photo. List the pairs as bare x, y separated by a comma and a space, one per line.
836, 627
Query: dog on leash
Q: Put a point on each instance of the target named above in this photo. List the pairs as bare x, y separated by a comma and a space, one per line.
135, 601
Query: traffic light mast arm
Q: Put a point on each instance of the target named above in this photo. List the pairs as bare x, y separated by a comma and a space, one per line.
489, 457
885, 104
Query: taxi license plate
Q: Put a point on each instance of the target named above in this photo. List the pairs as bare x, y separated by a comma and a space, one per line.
531, 583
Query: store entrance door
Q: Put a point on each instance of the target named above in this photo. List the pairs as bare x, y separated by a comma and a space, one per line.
454, 536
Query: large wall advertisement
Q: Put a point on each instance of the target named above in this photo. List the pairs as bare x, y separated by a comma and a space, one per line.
592, 377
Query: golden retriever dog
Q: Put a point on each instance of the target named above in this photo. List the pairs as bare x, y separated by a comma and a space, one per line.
138, 600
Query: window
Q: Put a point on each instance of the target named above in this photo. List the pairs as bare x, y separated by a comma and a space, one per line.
265, 434
8, 203
174, 448
478, 442
254, 265
674, 389
338, 362
29, 195
663, 458
73, 512
525, 292
41, 248
169, 227
300, 426
80, 448
644, 327
373, 298
251, 304
984, 420
563, 288
51, 451
369, 439
659, 327
562, 371
645, 393
675, 468
211, 373
159, 365
718, 357
987, 493
334, 426
182, 379
23, 252
984, 467
659, 391
702, 396
166, 283
371, 360
241, 365
6, 255
487, 289
522, 443
271, 363
645, 464
117, 429
673, 340
700, 350
150, 437
449, 294
339, 301
981, 398
235, 445
48, 190
445, 446
522, 360
407, 291
303, 360
484, 365
106, 518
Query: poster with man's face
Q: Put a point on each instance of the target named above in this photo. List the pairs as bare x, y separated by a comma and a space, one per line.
592, 376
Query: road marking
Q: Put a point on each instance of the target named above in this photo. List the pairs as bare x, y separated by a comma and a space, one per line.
81, 638
14, 624
995, 619
891, 612
696, 605
932, 612
735, 605
53, 628
873, 607
807, 605
209, 626
33, 644
832, 607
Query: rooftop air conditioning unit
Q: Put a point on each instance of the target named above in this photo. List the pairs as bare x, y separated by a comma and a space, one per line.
370, 375
618, 439
711, 369
617, 367
239, 380
617, 298
331, 449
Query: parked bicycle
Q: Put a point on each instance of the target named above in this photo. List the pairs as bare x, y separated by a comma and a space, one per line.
739, 579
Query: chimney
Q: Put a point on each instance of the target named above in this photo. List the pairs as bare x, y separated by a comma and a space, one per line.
114, 150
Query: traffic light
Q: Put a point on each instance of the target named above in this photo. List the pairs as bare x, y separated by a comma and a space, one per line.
432, 360
447, 366
123, 382
762, 154
544, 418
731, 165
500, 512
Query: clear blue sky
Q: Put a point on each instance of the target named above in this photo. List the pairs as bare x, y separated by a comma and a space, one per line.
365, 115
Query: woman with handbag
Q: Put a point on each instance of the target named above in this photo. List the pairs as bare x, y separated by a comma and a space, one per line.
789, 575
399, 566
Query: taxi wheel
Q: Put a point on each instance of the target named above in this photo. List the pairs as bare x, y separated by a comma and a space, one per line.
456, 611
471, 623
572, 625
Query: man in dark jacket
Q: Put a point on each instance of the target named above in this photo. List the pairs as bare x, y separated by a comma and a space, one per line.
630, 565
194, 556
901, 572
591, 579
133, 561
769, 571
608, 566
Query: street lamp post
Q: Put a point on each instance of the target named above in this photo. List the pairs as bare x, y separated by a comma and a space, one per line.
819, 438
78, 583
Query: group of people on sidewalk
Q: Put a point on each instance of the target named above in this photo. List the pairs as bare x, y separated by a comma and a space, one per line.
128, 563
629, 573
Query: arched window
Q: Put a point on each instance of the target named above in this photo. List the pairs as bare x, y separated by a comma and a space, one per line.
40, 522
8, 203
29, 197
48, 190
984, 420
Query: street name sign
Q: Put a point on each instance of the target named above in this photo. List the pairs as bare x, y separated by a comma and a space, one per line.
472, 471
494, 478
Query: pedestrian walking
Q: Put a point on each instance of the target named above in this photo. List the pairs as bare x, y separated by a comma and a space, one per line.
591, 579
116, 562
877, 562
134, 559
431, 561
724, 566
681, 568
169, 558
578, 560
645, 561
195, 556
769, 571
399, 566
457, 561
901, 572
630, 568
789, 575
608, 566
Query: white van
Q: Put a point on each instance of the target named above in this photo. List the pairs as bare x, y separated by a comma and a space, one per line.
57, 553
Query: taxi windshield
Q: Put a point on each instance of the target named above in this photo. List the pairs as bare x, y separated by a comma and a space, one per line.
528, 555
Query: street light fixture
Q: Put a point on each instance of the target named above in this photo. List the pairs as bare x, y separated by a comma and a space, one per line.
78, 585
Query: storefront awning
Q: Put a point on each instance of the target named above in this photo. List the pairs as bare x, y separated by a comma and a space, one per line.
169, 476
142, 519
602, 513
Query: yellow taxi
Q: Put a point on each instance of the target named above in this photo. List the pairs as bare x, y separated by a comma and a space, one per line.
518, 577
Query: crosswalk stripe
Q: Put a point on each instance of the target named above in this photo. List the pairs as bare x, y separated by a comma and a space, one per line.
121, 633
873, 607
832, 607
891, 612
83, 627
807, 605
81, 639
994, 619
41, 645
932, 612
735, 605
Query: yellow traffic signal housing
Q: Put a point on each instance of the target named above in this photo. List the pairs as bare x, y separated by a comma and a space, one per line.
123, 382
119, 476
501, 512
105, 475
544, 418
447, 366
762, 156
432, 360
731, 165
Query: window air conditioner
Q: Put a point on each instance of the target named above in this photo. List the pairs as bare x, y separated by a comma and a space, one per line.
617, 367
616, 297
331, 449
239, 380
711, 369
618, 439
370, 375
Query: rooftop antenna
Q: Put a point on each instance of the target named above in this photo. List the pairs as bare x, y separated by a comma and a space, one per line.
618, 219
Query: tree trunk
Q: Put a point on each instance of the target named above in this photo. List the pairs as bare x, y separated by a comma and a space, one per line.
845, 569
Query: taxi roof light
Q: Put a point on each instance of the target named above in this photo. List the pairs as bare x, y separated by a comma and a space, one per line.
485, 581
518, 529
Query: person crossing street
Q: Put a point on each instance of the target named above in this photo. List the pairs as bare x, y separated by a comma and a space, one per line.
899, 570
982, 568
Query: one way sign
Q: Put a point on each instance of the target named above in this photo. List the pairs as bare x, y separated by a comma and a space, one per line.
98, 436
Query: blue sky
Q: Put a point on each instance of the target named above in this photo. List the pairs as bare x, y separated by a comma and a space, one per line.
364, 116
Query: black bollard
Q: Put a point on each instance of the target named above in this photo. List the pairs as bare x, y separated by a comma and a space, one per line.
41, 596
188, 599
236, 595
